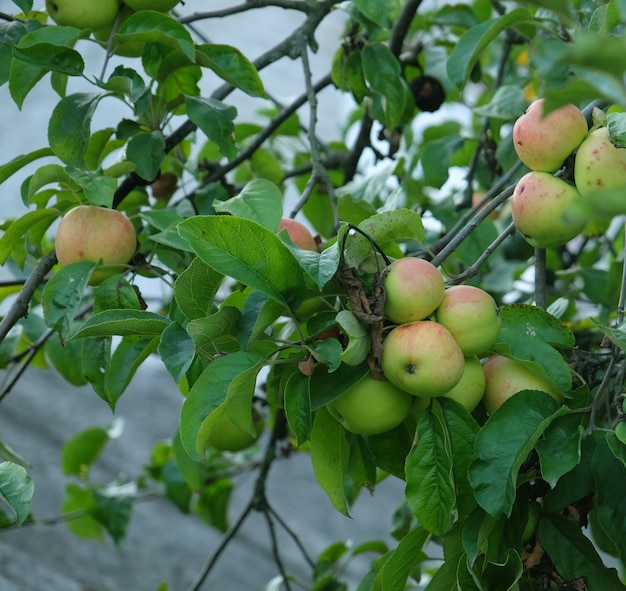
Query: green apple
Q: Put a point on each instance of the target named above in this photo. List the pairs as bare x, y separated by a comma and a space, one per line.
505, 377
127, 48
531, 523
538, 207
544, 142
414, 289
371, 406
159, 5
298, 233
471, 387
226, 436
599, 164
472, 316
422, 358
84, 14
91, 233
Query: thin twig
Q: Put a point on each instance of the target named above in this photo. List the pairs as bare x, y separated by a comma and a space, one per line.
248, 5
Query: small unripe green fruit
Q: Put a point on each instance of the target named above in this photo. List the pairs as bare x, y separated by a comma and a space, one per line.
226, 436
414, 288
472, 316
471, 387
538, 207
599, 164
543, 143
91, 233
83, 14
371, 406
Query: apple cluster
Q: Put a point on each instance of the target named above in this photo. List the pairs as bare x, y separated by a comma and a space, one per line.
436, 337
100, 17
543, 143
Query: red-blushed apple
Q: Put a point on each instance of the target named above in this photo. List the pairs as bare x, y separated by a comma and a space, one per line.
544, 142
472, 316
471, 387
414, 288
226, 436
599, 164
371, 406
298, 233
505, 377
97, 234
538, 207
422, 358
83, 14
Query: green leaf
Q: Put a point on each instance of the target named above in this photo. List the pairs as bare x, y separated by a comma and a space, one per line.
63, 294
503, 444
98, 189
95, 361
359, 339
560, 448
395, 572
51, 57
217, 332
14, 235
529, 334
208, 392
195, 289
215, 119
429, 478
16, 489
249, 253
232, 66
69, 128
84, 525
472, 43
147, 152
157, 27
122, 322
329, 454
326, 386
82, 450
260, 201
177, 350
383, 74
319, 266
112, 508
19, 162
573, 553
298, 406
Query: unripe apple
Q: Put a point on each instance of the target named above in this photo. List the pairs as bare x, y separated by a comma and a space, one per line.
471, 387
371, 406
82, 13
226, 436
472, 316
599, 164
538, 208
422, 358
505, 377
91, 233
543, 143
159, 5
414, 288
298, 233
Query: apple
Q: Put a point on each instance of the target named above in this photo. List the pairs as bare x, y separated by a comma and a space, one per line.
538, 207
159, 5
82, 13
599, 164
544, 142
422, 358
472, 316
127, 48
226, 436
92, 233
505, 377
371, 406
298, 233
471, 387
414, 289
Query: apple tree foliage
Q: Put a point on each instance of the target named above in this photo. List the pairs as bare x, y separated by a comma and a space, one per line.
248, 317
